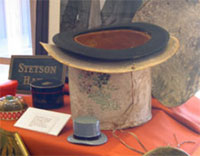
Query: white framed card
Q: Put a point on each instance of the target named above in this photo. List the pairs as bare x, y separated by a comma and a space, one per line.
44, 121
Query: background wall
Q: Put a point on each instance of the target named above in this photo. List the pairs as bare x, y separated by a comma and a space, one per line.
178, 79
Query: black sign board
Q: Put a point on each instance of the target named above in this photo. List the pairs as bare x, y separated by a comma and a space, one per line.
26, 69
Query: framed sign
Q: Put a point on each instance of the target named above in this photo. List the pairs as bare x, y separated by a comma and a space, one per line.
26, 69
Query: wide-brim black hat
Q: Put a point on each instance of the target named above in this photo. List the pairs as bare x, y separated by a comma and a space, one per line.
123, 66
115, 42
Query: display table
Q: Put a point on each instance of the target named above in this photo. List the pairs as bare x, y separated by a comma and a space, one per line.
182, 121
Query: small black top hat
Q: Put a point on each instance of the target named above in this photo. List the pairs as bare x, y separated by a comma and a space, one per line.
87, 132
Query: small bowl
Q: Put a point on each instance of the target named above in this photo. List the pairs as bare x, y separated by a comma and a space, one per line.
12, 107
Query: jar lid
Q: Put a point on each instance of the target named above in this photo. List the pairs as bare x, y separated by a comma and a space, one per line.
47, 83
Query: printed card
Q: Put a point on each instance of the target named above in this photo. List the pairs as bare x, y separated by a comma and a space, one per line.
44, 121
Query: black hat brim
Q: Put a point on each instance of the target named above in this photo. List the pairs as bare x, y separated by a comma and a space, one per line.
99, 141
157, 43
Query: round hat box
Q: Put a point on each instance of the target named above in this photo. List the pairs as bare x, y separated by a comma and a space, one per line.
47, 93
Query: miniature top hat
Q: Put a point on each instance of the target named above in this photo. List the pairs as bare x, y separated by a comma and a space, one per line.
87, 132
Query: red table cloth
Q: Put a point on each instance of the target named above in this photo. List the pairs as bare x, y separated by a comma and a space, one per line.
182, 122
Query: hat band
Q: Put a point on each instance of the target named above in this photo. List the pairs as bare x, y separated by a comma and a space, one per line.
86, 138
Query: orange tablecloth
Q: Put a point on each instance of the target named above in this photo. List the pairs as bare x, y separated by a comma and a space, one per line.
183, 121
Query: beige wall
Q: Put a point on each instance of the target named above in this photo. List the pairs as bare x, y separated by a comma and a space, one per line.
54, 18
33, 22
